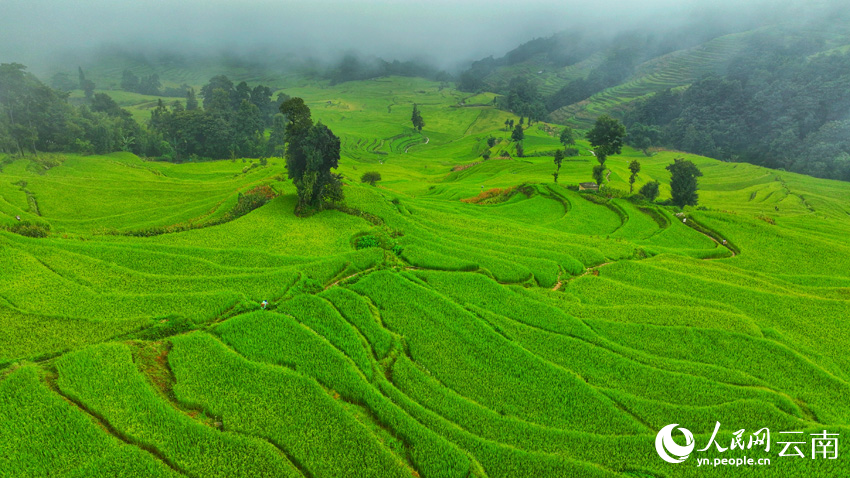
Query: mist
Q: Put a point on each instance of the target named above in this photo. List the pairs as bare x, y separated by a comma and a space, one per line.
448, 34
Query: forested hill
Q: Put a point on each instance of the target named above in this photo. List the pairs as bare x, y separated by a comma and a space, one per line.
774, 95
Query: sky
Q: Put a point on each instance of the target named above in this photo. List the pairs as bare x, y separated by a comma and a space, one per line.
442, 31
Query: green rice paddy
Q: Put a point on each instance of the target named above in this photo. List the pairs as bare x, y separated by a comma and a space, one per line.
552, 334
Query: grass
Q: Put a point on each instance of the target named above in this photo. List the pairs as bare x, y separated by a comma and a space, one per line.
551, 333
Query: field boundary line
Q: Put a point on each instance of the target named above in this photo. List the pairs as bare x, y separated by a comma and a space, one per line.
104, 424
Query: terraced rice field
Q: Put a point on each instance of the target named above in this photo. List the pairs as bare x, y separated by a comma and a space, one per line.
675, 69
549, 335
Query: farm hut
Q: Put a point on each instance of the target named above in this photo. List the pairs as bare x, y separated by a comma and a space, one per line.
588, 187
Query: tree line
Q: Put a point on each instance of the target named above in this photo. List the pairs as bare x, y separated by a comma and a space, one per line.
227, 121
35, 117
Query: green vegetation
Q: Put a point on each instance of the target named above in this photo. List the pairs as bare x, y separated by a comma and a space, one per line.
467, 318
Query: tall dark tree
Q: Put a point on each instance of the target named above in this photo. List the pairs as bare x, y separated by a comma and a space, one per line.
634, 167
416, 119
559, 158
683, 182
599, 174
312, 151
518, 134
86, 85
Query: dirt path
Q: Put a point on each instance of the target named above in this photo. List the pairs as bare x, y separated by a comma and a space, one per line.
427, 140
347, 277
586, 272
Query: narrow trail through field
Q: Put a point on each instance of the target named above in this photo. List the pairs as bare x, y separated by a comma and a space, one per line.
699, 228
587, 271
427, 140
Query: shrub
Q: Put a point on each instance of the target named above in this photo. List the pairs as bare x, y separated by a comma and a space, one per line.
364, 242
249, 201
370, 177
30, 229
649, 190
491, 196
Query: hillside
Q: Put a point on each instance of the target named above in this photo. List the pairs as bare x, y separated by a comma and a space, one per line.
647, 63
545, 333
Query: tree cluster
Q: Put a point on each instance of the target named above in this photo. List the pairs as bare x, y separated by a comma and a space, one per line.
35, 117
230, 124
150, 85
351, 67
522, 98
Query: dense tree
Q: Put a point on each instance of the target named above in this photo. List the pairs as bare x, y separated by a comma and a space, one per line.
606, 137
312, 151
643, 137
523, 99
129, 81
520, 150
191, 100
62, 82
567, 137
150, 85
599, 175
370, 177
416, 119
218, 82
683, 182
634, 167
649, 190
